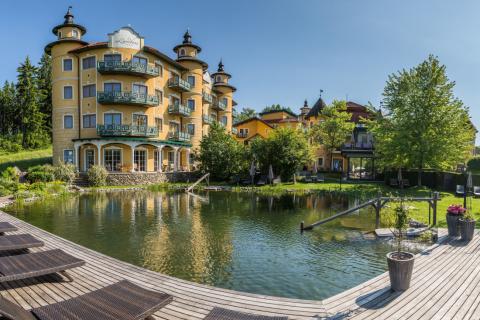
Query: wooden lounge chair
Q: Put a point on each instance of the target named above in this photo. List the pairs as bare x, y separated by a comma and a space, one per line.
19, 242
37, 264
476, 191
7, 227
225, 314
120, 301
460, 190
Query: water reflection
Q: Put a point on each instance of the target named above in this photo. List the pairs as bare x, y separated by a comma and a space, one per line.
239, 241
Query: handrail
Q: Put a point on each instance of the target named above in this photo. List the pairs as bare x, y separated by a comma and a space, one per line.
197, 182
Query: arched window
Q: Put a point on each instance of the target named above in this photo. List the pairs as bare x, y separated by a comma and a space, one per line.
182, 52
219, 79
74, 33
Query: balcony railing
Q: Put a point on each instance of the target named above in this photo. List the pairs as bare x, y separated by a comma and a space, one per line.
128, 67
217, 104
179, 136
179, 84
122, 97
208, 98
242, 134
126, 130
179, 109
208, 119
358, 146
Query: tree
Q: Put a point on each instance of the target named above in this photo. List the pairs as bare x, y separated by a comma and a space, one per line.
286, 150
425, 125
246, 113
334, 128
8, 115
44, 75
276, 107
28, 104
221, 155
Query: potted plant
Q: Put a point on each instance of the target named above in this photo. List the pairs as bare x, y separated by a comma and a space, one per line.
400, 263
467, 226
454, 213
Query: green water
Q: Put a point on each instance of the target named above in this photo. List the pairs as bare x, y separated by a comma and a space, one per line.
238, 241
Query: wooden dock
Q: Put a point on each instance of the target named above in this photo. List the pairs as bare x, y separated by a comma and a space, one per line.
445, 285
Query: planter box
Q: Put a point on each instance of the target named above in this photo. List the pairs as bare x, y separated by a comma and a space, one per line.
400, 268
467, 228
453, 224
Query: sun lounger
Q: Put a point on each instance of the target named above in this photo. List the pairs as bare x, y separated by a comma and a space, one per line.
460, 190
7, 227
19, 242
37, 264
225, 314
277, 180
262, 181
476, 191
320, 178
120, 301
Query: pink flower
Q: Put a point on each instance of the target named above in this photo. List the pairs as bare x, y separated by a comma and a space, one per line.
456, 209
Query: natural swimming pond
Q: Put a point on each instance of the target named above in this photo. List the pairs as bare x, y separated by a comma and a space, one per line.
239, 241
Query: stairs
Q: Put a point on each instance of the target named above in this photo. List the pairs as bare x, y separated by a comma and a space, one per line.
81, 181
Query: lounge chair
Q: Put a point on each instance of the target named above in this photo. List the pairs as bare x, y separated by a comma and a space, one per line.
225, 314
19, 242
393, 183
120, 301
37, 264
262, 181
277, 180
308, 178
460, 191
7, 227
406, 182
476, 191
320, 177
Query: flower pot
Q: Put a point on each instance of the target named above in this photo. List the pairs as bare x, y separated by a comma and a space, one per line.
467, 227
453, 224
400, 268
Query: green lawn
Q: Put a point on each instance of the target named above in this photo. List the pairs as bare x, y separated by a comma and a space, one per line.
25, 159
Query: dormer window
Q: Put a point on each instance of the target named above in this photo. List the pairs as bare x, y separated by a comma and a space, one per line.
74, 33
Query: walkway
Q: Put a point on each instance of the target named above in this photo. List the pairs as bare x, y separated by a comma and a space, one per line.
445, 285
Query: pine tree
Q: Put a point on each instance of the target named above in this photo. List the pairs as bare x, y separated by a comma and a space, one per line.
28, 99
45, 87
8, 115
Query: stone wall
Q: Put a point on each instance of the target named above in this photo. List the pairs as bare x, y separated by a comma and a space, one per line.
141, 178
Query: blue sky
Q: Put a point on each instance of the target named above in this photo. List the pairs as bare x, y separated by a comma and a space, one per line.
278, 51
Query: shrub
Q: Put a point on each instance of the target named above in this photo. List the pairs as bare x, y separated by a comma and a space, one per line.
39, 176
97, 176
474, 164
11, 173
64, 172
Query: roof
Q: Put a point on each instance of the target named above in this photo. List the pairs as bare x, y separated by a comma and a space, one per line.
194, 59
252, 119
316, 109
282, 120
281, 110
358, 111
48, 47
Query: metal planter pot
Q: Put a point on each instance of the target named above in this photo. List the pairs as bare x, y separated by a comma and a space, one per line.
400, 268
453, 224
467, 228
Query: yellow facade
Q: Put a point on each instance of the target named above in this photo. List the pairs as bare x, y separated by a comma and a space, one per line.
121, 94
252, 128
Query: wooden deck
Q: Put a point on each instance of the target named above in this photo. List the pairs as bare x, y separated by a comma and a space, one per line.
445, 285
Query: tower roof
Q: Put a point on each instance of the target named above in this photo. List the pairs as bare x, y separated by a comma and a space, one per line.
187, 42
69, 22
221, 70
316, 109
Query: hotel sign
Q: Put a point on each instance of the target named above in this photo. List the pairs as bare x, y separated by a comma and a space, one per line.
125, 37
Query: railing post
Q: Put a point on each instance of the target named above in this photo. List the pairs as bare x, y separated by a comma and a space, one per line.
377, 206
435, 199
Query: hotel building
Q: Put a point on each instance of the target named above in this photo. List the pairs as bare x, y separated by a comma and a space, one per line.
129, 107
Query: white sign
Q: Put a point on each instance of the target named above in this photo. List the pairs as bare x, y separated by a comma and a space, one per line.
125, 37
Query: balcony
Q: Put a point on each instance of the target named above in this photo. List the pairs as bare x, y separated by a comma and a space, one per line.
179, 136
358, 147
179, 110
179, 84
208, 119
125, 130
206, 97
219, 105
130, 98
128, 67
242, 134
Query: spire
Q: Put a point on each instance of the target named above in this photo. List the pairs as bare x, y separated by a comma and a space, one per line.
305, 104
69, 16
187, 38
220, 66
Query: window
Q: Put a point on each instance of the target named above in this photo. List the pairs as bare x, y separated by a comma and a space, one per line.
68, 156
225, 101
140, 60
191, 80
182, 52
171, 157
88, 63
224, 120
74, 33
191, 104
139, 89
159, 94
140, 157
219, 79
156, 160
59, 34
112, 118
139, 120
89, 120
113, 159
112, 58
112, 87
68, 92
191, 128
320, 162
89, 91
160, 69
68, 121
159, 124
67, 65
244, 131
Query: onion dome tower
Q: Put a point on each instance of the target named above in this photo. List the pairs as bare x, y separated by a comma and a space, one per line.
188, 51
68, 31
221, 78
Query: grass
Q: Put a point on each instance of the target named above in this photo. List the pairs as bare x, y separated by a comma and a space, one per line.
25, 158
